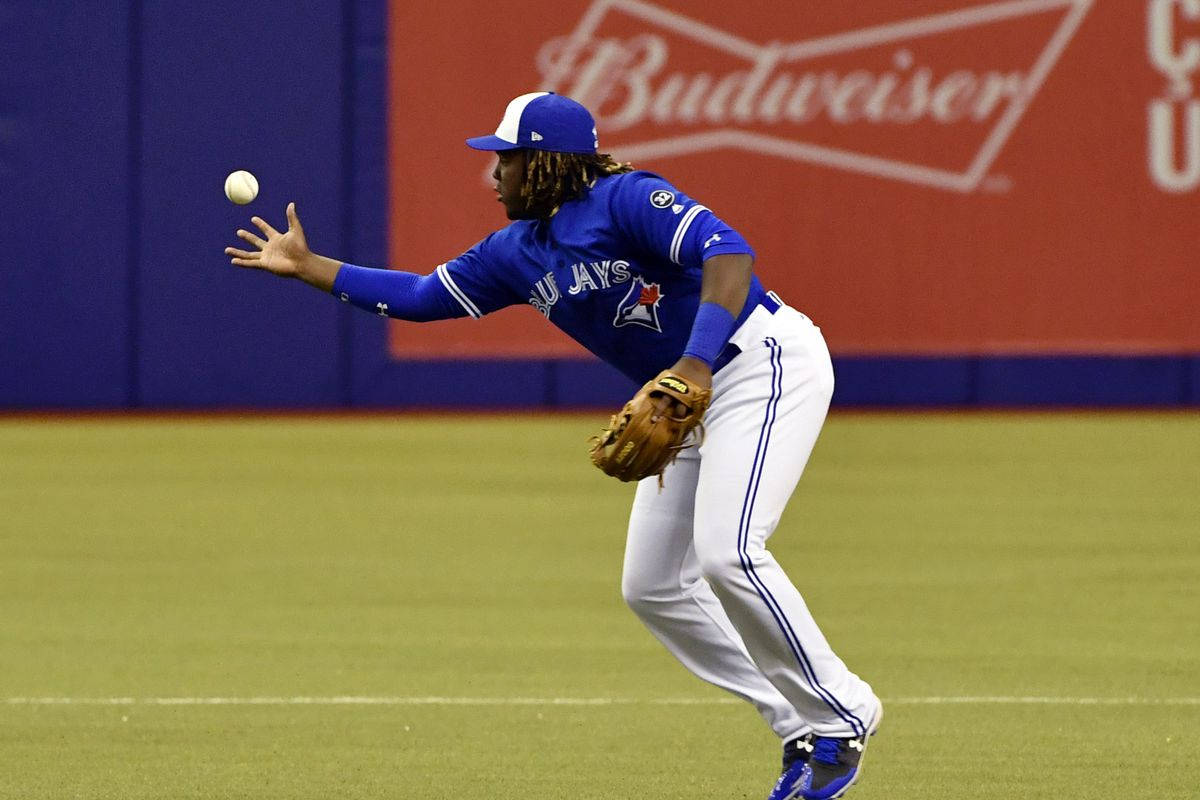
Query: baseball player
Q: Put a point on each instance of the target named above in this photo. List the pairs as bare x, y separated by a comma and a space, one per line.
649, 279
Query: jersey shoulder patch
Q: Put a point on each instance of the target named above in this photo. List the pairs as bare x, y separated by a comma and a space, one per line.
640, 190
661, 198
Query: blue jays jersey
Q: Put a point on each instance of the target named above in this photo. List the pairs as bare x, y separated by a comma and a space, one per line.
617, 269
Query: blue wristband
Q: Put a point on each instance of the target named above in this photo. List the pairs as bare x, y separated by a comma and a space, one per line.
710, 332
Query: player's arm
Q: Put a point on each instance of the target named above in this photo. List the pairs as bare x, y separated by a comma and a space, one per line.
724, 285
669, 224
403, 295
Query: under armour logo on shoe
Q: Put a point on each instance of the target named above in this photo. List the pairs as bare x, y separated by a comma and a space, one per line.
383, 309
792, 783
855, 744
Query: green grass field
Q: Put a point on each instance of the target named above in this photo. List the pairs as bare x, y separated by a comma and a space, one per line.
1023, 592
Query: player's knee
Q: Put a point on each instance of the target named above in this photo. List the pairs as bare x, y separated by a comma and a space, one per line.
637, 592
648, 596
719, 565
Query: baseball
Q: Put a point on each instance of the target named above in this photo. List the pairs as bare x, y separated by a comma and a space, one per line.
241, 187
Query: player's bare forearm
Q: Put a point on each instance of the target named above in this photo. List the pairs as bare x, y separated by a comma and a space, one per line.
694, 370
318, 271
726, 281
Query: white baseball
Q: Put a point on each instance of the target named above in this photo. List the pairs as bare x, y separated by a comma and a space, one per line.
241, 187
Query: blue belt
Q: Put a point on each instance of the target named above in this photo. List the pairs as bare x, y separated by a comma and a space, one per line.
771, 303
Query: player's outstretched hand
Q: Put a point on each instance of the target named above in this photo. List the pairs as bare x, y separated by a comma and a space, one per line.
285, 254
280, 253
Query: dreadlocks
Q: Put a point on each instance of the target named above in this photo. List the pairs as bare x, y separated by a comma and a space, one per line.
552, 179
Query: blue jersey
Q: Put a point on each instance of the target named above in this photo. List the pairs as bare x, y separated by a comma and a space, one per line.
617, 269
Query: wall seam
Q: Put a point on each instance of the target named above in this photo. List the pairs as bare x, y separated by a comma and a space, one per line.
345, 323
133, 389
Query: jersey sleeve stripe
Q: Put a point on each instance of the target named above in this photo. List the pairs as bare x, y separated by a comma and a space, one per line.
681, 231
457, 293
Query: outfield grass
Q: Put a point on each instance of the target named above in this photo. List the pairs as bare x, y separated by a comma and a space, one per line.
1047, 556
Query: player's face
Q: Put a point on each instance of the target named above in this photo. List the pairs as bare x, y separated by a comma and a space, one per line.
510, 174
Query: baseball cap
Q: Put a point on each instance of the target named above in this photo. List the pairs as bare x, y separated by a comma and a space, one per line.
542, 121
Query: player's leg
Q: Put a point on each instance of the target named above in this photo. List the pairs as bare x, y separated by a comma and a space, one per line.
662, 583
768, 408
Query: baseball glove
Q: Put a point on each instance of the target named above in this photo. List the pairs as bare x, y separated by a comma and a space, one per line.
641, 441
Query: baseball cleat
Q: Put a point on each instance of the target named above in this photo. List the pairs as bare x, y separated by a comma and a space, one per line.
796, 774
835, 763
792, 782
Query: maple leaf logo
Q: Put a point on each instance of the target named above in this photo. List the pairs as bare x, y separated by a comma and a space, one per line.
639, 306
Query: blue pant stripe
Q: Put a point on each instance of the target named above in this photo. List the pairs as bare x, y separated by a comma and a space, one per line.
856, 724
764, 438
743, 531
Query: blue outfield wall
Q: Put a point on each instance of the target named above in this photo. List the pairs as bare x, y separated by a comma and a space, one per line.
208, 106
65, 149
113, 147
1017, 381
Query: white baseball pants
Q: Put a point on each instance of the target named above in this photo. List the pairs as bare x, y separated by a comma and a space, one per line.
697, 571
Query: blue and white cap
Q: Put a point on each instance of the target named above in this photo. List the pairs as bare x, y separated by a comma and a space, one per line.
543, 121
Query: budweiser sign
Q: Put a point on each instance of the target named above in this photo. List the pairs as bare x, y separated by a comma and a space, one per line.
894, 100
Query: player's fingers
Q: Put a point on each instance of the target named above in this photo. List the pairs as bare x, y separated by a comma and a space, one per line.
293, 220
251, 238
661, 404
267, 230
243, 262
245, 255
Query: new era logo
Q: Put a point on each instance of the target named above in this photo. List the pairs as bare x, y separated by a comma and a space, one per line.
535, 136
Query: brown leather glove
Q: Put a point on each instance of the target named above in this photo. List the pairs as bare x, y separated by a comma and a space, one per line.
640, 440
